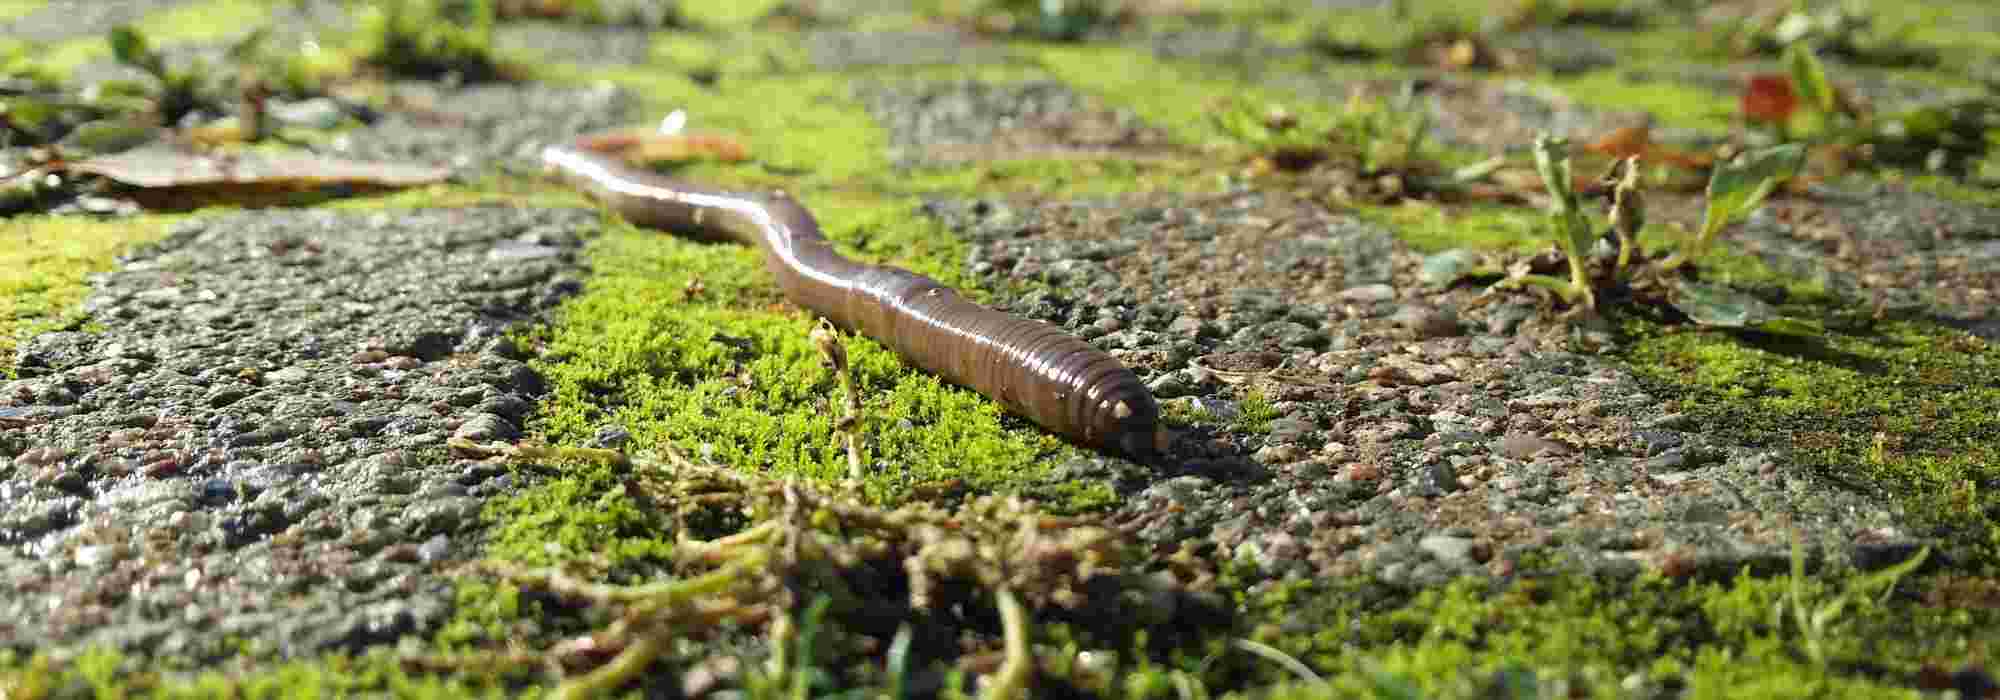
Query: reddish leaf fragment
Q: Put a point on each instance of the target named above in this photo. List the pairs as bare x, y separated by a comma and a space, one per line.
1626, 142
1769, 99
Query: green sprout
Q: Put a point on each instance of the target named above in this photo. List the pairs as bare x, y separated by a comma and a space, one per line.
1816, 621
177, 88
1382, 137
1628, 210
1735, 189
1571, 228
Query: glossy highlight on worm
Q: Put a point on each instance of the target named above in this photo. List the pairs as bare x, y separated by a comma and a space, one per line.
1033, 368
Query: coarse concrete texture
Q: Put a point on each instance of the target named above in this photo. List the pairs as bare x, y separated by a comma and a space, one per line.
228, 434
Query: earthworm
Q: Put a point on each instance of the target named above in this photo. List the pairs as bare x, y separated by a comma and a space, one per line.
1031, 367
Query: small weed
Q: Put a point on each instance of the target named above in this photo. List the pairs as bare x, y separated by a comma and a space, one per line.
431, 38
1850, 29
1734, 190
1815, 621
1370, 138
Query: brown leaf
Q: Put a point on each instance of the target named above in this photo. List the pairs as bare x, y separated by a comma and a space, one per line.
646, 146
164, 167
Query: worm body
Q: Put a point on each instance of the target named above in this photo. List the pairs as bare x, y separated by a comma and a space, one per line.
1031, 367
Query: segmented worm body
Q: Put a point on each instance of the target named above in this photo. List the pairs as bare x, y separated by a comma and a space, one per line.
1033, 368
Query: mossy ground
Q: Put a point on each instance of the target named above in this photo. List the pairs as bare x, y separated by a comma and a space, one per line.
14, 8
727, 372
44, 265
1901, 407
205, 21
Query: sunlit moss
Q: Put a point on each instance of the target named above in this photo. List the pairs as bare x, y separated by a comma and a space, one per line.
10, 9
1683, 106
1905, 407
204, 21
45, 262
1430, 227
732, 15
1542, 635
728, 371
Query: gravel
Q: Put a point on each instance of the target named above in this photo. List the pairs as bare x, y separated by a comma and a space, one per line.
1418, 435
250, 448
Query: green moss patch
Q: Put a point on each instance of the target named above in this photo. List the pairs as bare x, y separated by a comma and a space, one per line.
1672, 104
729, 372
1532, 637
1430, 227
10, 9
1176, 96
45, 262
1903, 408
100, 673
210, 20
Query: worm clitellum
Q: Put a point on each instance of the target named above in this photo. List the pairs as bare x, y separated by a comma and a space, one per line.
1033, 368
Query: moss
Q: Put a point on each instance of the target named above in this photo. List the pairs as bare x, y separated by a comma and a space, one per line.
730, 373
802, 131
1257, 414
726, 57
732, 15
1904, 408
45, 262
103, 673
1953, 25
1172, 95
10, 9
1430, 227
1951, 189
205, 21
1709, 639
1671, 104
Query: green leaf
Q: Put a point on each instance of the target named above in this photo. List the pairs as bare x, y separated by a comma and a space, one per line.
1885, 580
1552, 161
1722, 307
1443, 269
1741, 184
131, 48
1809, 77
1572, 229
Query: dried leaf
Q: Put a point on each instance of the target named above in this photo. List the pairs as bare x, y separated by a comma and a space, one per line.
646, 146
163, 167
1624, 142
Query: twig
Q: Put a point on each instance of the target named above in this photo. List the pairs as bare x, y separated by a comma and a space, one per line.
827, 338
1015, 672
